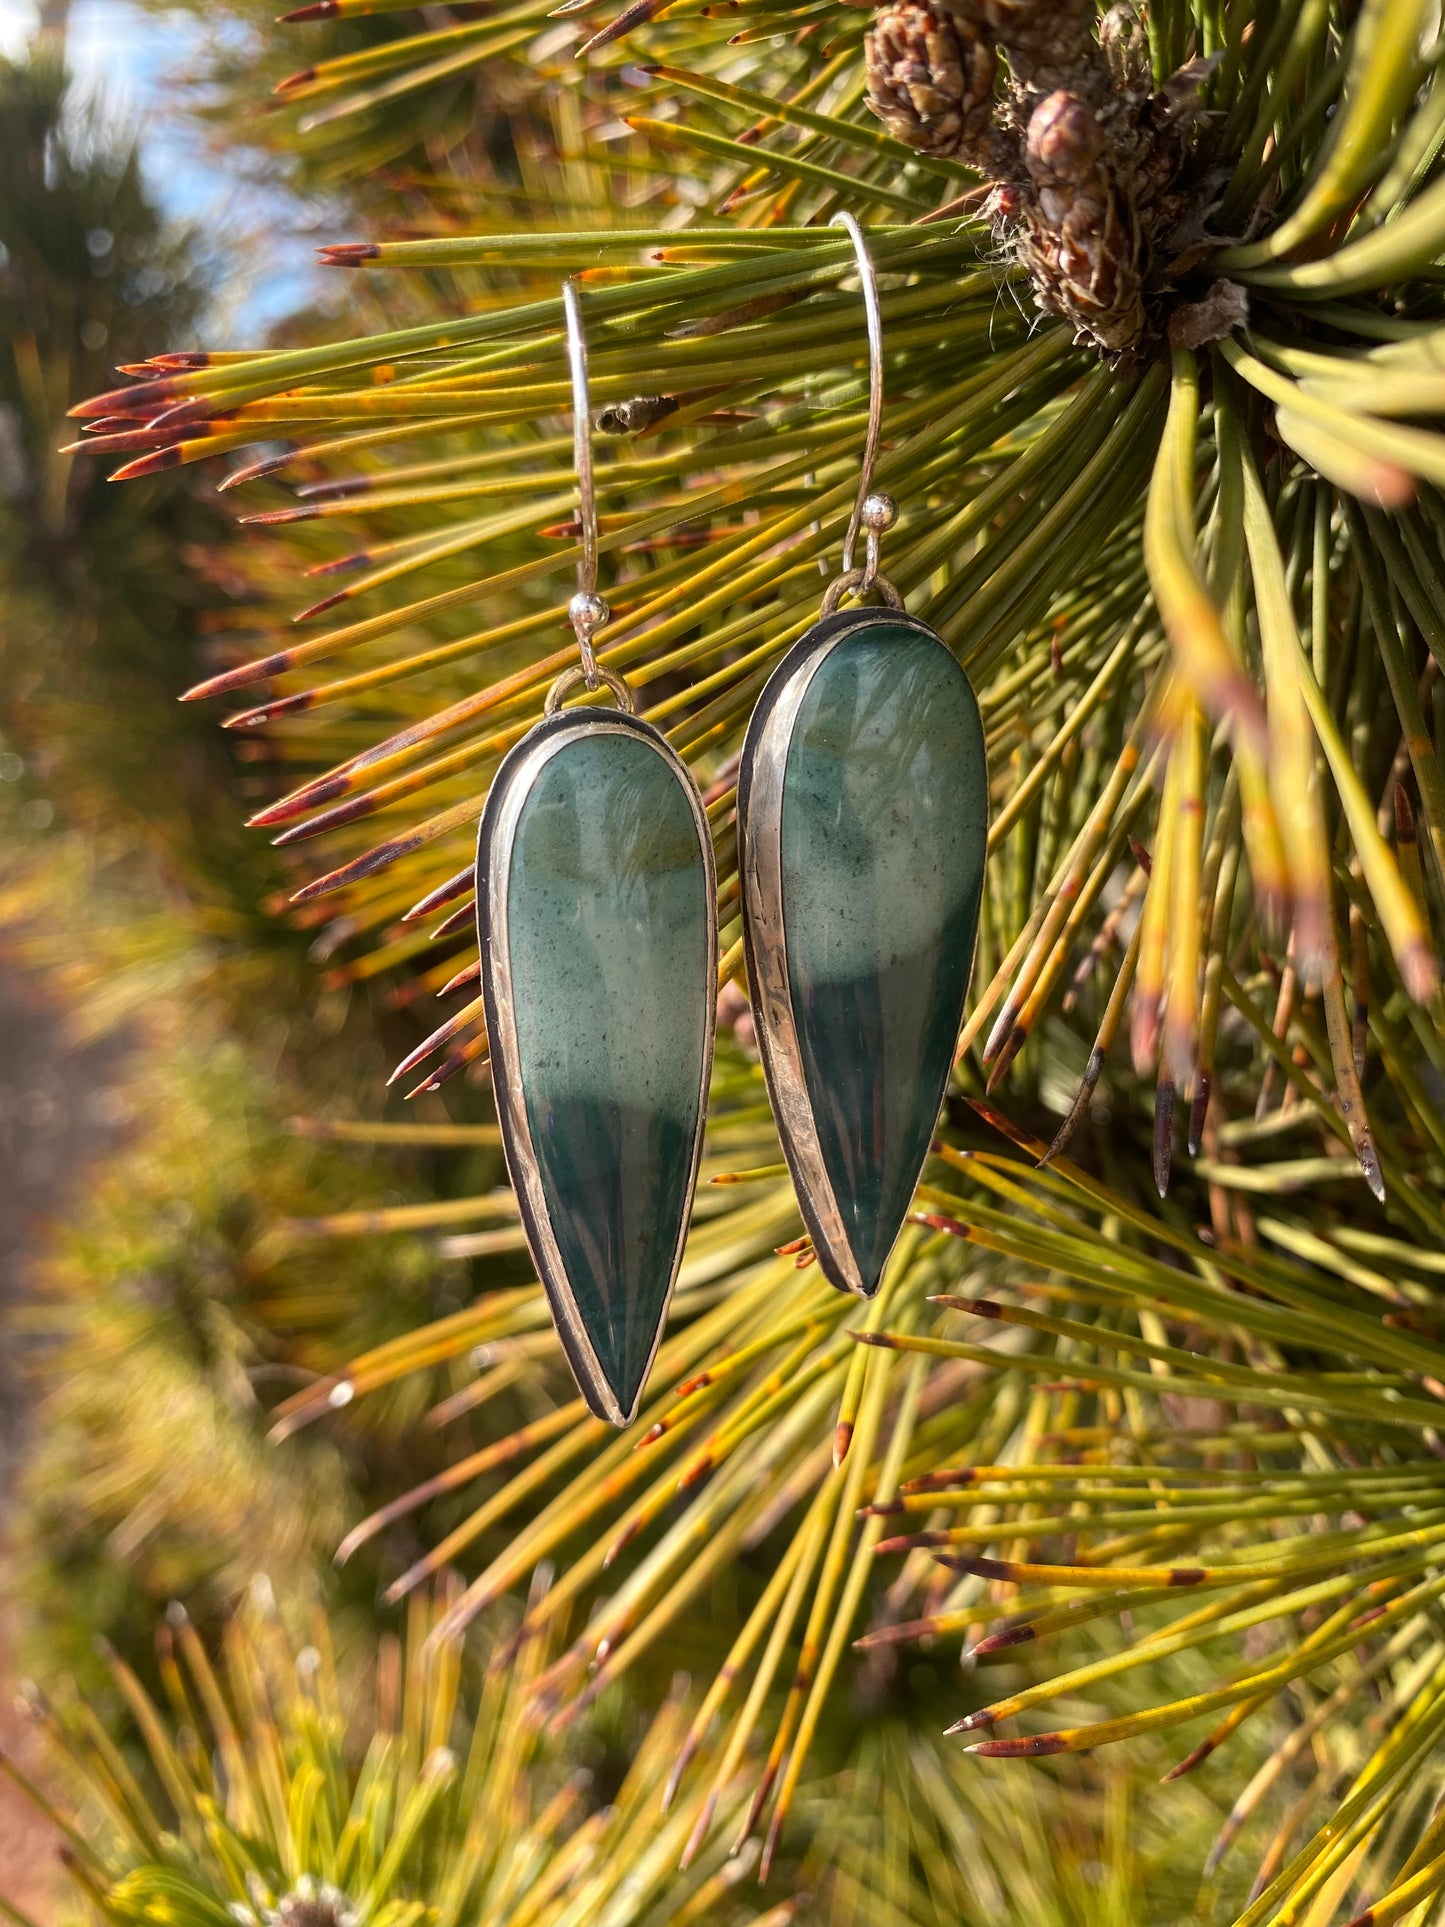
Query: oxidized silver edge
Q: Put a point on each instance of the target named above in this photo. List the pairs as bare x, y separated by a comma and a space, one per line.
761, 768
496, 836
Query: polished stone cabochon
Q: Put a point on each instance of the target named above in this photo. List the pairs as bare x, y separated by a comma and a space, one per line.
607, 917
884, 828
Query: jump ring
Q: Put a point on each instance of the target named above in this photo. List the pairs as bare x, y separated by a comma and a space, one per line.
576, 678
859, 579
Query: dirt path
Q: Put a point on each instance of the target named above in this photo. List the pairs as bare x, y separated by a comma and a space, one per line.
57, 1112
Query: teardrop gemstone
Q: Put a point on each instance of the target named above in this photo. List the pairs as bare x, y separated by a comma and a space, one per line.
599, 970
863, 812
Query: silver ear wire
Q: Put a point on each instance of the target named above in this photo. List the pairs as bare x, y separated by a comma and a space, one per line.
587, 611
873, 511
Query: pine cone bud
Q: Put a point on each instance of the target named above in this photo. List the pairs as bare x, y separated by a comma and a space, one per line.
1082, 238
1048, 42
1064, 146
930, 81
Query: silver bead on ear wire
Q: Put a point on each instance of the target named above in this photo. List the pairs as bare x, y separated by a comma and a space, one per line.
878, 513
588, 611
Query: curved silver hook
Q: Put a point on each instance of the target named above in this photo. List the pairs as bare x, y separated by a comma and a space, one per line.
587, 611
869, 283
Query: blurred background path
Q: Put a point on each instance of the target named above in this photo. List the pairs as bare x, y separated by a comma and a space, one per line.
58, 1113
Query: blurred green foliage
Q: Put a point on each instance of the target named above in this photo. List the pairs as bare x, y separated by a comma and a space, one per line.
158, 1323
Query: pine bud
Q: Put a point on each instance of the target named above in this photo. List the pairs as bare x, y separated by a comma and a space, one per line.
930, 81
1065, 143
1082, 241
1048, 42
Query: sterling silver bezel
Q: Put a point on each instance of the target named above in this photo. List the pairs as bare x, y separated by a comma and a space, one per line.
496, 839
761, 769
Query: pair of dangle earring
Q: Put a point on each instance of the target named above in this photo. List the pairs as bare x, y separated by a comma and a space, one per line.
597, 924
862, 838
862, 829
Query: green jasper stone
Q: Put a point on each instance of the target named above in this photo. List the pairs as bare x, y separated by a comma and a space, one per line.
884, 828
607, 916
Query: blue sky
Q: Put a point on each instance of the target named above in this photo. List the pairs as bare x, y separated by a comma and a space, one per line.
121, 54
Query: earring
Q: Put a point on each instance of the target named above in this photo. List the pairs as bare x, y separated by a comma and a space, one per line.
862, 834
597, 921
